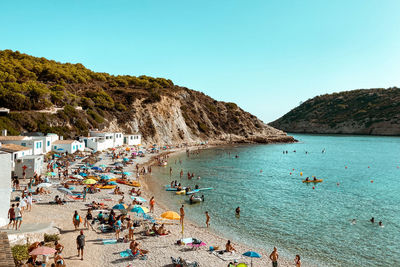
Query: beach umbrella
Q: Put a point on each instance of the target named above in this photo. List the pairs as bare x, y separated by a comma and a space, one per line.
126, 159
97, 168
103, 165
241, 265
138, 199
139, 209
77, 176
51, 174
89, 181
65, 191
120, 207
44, 185
128, 149
170, 215
126, 173
105, 177
252, 255
83, 174
112, 183
42, 251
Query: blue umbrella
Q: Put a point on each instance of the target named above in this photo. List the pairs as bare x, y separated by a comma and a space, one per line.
137, 209
112, 183
119, 207
252, 255
97, 168
126, 159
105, 177
83, 174
126, 173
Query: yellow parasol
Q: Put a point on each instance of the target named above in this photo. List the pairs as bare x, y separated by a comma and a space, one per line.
89, 181
170, 215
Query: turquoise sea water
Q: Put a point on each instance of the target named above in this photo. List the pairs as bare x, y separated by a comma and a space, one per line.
277, 209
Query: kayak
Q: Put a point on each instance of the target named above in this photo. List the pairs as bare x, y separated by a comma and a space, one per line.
132, 183
173, 189
313, 181
182, 192
106, 186
203, 189
192, 192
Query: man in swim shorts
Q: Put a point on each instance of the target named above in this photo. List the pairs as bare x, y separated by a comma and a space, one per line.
80, 243
274, 257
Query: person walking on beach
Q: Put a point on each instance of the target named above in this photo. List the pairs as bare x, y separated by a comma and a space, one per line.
11, 216
152, 202
170, 171
29, 201
76, 220
181, 174
182, 214
18, 217
207, 219
274, 257
80, 243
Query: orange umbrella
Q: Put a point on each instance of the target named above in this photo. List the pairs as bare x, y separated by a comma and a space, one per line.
170, 215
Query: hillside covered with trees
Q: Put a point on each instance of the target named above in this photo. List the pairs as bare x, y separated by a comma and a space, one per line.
69, 99
364, 111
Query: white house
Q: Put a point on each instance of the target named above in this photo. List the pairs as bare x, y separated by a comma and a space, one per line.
95, 143
118, 139
70, 146
132, 139
47, 140
5, 186
26, 141
15, 152
28, 164
105, 137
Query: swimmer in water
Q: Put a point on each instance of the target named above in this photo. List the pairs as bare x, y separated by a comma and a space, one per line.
372, 220
380, 224
237, 211
353, 221
198, 177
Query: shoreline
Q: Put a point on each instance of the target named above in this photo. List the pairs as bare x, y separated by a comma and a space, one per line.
240, 246
160, 248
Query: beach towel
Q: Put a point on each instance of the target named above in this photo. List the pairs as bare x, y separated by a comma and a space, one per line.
227, 256
126, 253
109, 241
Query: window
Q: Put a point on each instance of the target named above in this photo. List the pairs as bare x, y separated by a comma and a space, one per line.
48, 143
55, 147
23, 144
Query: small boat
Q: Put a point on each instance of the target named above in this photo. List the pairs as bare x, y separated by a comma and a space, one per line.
313, 181
193, 200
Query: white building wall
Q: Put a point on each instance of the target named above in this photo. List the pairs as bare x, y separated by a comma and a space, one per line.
70, 148
5, 187
34, 165
118, 139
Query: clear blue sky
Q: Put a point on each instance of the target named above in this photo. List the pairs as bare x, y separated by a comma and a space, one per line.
267, 56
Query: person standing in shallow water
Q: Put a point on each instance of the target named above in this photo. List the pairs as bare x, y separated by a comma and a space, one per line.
274, 257
207, 219
182, 214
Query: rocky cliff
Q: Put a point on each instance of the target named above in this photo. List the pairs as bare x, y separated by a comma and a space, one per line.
365, 111
68, 99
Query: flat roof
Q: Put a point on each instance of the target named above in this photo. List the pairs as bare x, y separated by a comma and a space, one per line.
13, 148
